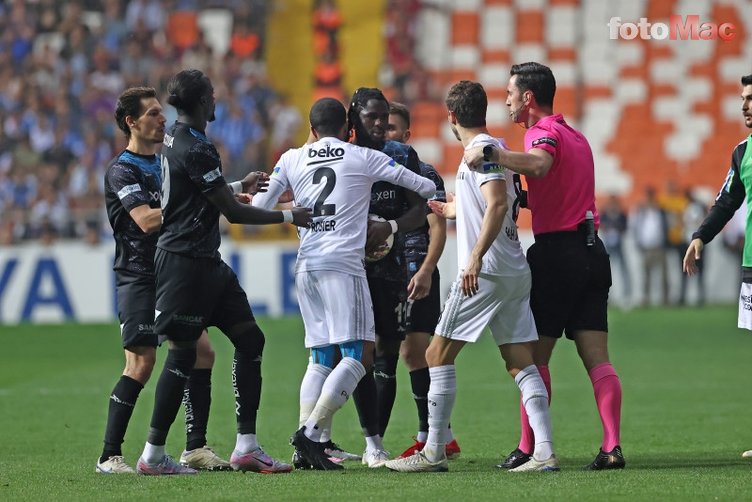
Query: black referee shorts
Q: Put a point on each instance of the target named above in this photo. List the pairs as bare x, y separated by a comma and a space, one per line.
570, 284
135, 301
423, 315
195, 293
389, 300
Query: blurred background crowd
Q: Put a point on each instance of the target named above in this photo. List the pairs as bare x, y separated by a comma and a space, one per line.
62, 66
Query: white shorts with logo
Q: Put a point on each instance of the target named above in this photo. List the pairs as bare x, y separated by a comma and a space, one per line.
336, 307
745, 306
501, 304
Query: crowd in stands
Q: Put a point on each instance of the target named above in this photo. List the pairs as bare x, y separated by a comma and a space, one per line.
62, 66
327, 73
660, 228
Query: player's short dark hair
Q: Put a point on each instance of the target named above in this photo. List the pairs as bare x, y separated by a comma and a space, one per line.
359, 100
401, 111
469, 103
327, 116
186, 88
129, 105
537, 78
747, 80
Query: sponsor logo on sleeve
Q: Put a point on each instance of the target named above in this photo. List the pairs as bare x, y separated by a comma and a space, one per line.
127, 190
546, 140
491, 167
212, 175
276, 170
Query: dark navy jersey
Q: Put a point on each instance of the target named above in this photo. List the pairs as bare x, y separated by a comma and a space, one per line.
132, 180
390, 202
190, 168
416, 241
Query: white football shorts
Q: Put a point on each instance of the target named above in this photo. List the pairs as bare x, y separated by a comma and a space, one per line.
336, 307
501, 304
745, 306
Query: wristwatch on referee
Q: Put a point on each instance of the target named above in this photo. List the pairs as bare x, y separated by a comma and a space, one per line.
487, 152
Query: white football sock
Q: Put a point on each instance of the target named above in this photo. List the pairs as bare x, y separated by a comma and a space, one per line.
374, 443
246, 443
422, 436
152, 453
310, 389
337, 388
535, 400
441, 395
326, 429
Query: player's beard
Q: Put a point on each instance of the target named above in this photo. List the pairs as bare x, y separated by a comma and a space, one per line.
364, 138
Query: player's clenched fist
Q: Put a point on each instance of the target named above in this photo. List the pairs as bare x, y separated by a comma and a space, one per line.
301, 216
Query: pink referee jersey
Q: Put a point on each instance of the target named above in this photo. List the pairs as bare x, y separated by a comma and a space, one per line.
558, 201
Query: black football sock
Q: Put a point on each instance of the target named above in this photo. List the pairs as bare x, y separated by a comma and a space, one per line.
169, 392
122, 400
385, 376
420, 380
365, 403
246, 380
197, 401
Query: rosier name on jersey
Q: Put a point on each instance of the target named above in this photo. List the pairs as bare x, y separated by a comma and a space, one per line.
323, 226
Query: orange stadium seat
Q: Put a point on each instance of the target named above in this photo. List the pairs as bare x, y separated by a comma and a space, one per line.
660, 9
666, 119
465, 28
530, 25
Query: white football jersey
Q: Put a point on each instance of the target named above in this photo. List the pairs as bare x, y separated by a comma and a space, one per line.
334, 178
505, 256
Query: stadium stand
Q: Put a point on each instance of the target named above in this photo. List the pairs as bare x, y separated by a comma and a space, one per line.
652, 110
63, 65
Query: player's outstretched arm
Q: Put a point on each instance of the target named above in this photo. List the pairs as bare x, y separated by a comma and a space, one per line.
415, 183
235, 212
535, 163
446, 210
271, 195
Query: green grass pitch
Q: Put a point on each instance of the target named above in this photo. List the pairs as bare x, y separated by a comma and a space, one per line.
685, 374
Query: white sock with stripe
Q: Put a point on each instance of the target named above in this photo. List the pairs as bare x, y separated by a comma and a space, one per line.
310, 389
337, 389
441, 395
535, 400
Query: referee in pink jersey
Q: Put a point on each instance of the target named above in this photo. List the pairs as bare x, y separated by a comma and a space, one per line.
571, 273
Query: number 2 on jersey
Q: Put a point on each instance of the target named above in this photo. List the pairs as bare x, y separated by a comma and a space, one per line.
319, 208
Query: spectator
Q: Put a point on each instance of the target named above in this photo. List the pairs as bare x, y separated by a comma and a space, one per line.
61, 66
650, 227
674, 202
612, 230
285, 126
